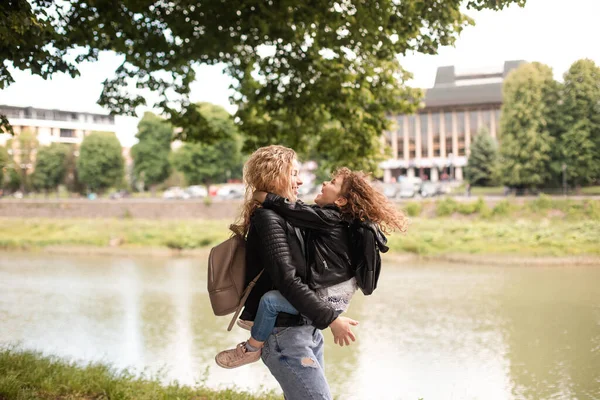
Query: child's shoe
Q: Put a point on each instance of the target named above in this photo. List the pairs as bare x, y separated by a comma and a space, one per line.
247, 325
237, 357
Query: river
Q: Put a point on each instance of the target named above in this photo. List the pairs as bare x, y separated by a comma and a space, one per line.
431, 331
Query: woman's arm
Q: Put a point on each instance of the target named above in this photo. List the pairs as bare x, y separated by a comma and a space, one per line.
299, 214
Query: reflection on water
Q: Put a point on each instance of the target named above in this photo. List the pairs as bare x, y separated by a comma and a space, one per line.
431, 331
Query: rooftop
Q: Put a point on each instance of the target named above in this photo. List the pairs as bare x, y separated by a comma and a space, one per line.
52, 115
456, 87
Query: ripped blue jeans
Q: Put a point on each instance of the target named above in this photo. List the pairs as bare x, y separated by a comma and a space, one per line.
294, 356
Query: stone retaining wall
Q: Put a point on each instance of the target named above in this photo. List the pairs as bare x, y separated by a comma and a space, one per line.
124, 208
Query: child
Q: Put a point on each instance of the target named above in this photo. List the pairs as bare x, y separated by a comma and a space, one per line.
347, 197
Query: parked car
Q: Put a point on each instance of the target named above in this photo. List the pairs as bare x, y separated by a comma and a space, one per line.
197, 191
119, 194
407, 189
430, 189
231, 192
391, 190
175, 192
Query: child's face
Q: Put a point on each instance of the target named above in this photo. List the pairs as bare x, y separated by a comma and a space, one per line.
330, 192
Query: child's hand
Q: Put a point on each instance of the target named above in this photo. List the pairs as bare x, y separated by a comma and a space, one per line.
259, 196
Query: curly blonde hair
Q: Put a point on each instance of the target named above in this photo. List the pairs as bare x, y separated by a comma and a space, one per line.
365, 202
268, 169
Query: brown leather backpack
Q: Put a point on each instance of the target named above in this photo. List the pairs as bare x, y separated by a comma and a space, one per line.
226, 277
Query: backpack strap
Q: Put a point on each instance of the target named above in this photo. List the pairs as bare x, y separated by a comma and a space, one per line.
245, 295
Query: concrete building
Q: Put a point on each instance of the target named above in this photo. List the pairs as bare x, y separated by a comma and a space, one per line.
55, 126
434, 143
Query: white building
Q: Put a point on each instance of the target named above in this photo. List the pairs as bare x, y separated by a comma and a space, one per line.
435, 142
55, 126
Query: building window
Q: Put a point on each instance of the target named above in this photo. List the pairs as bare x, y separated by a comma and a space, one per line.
67, 133
424, 141
460, 122
411, 137
474, 122
435, 119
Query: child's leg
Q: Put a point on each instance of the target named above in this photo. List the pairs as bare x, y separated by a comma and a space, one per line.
271, 304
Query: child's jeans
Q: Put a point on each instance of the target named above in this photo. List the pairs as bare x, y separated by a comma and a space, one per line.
271, 304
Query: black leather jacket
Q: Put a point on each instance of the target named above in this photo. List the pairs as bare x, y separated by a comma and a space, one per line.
327, 239
273, 244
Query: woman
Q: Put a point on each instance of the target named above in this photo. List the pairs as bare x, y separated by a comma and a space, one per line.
294, 352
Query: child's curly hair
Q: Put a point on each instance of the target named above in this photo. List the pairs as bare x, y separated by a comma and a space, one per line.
365, 202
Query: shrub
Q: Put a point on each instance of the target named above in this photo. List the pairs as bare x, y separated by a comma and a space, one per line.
542, 203
413, 209
592, 209
476, 207
503, 208
445, 207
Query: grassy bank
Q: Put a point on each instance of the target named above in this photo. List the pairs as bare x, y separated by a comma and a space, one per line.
28, 375
542, 227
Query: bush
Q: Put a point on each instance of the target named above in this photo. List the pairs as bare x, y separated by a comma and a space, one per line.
477, 207
503, 208
413, 209
542, 203
445, 207
592, 209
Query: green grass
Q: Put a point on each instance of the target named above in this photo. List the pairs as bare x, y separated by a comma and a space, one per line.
26, 375
544, 226
533, 237
591, 190
186, 234
486, 191
499, 190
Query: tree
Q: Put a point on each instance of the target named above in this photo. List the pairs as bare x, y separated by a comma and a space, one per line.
580, 143
580, 154
205, 164
151, 153
71, 177
309, 68
525, 142
50, 167
4, 162
100, 162
24, 149
482, 164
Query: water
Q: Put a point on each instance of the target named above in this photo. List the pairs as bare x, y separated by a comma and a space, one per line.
432, 331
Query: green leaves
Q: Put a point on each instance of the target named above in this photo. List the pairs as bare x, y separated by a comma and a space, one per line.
100, 163
580, 154
151, 153
50, 166
203, 163
483, 160
525, 140
310, 69
580, 110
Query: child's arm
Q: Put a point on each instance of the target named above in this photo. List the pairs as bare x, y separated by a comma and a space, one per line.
298, 213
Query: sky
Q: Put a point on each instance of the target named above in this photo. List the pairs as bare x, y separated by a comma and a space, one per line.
554, 32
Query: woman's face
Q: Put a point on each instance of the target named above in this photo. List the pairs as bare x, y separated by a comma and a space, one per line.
295, 178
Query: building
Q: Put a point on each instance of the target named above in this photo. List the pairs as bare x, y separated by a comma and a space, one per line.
434, 143
55, 126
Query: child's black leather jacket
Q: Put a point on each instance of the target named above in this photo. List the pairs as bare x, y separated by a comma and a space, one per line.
327, 239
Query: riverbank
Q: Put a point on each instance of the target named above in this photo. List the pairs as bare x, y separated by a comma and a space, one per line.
543, 228
31, 375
